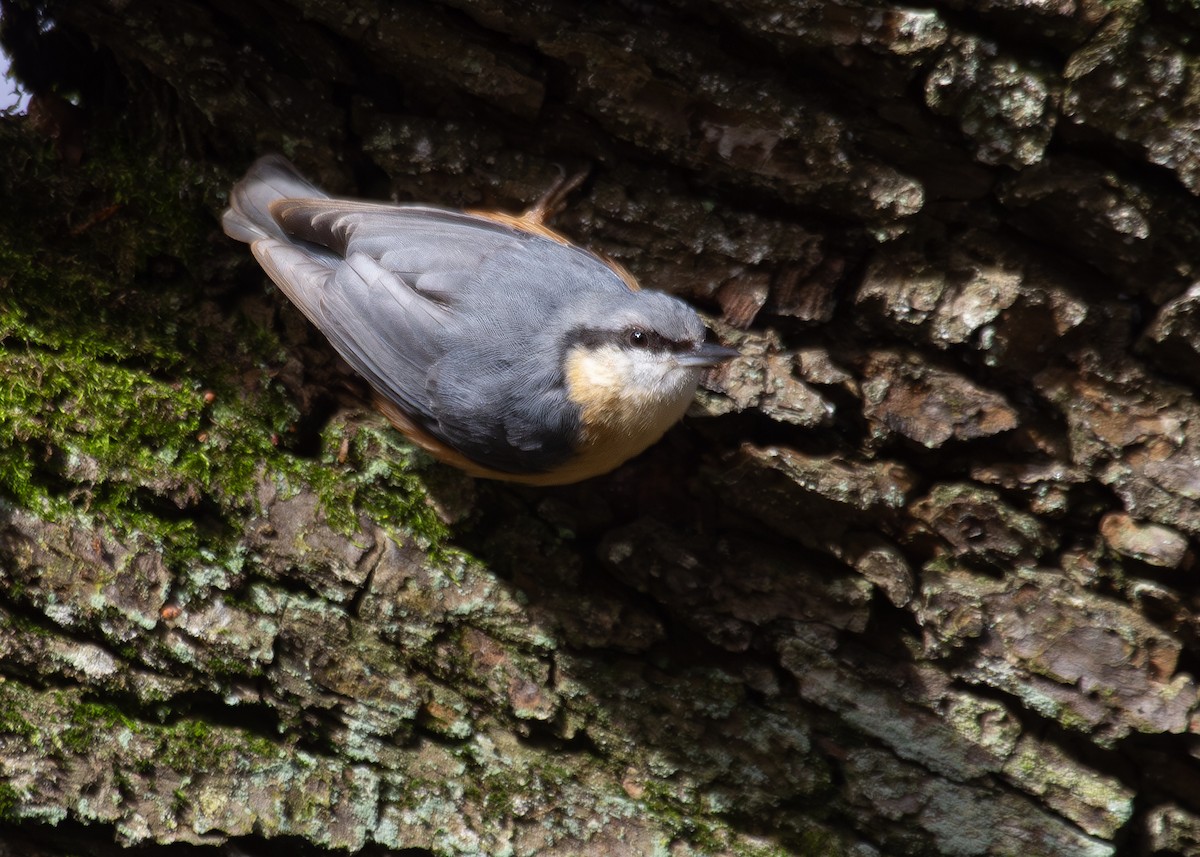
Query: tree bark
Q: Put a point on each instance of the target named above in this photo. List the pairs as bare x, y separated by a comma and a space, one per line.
916, 576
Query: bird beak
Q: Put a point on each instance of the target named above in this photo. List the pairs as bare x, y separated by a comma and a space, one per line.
707, 354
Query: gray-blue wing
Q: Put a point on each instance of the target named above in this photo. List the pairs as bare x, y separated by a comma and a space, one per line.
397, 290
439, 249
377, 320
382, 282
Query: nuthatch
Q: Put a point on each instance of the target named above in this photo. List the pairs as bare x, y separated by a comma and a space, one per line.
490, 340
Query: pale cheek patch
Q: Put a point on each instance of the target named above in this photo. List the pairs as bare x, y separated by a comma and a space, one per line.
595, 377
632, 395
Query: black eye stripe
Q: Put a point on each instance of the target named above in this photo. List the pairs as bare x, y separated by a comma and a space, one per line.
654, 341
650, 340
639, 337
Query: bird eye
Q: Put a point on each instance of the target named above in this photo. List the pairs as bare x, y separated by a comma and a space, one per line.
638, 338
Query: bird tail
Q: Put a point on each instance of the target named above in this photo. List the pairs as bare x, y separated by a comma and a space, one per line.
272, 177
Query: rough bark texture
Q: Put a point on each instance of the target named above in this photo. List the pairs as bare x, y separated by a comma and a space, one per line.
917, 577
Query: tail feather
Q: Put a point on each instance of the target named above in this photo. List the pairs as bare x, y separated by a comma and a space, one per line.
271, 177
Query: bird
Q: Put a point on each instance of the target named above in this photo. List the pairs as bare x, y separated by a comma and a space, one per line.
489, 339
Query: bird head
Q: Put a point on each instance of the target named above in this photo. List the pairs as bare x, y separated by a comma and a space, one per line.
635, 362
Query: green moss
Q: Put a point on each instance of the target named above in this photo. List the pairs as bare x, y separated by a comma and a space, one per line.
662, 803
75, 739
232, 667
100, 414
10, 799
371, 467
132, 396
190, 745
12, 722
261, 747
85, 720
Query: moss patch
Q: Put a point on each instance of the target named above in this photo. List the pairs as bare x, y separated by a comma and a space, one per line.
132, 391
9, 800
86, 719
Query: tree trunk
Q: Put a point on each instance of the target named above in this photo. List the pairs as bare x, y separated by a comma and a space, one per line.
911, 579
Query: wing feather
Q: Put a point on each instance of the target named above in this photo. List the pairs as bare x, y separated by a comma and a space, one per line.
380, 325
374, 228
271, 178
